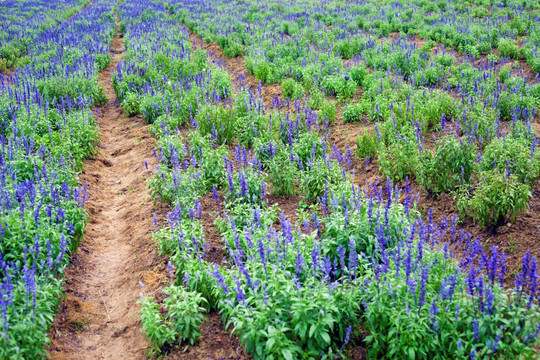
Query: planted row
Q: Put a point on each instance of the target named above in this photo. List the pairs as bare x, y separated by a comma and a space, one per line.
47, 129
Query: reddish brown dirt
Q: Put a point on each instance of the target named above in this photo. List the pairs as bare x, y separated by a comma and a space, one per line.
286, 204
7, 77
98, 317
211, 210
215, 343
8, 72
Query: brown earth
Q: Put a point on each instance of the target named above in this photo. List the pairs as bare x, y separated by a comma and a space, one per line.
210, 211
215, 343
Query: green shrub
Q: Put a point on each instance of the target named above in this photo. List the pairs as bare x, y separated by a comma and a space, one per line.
366, 145
154, 326
316, 98
358, 73
342, 86
353, 113
131, 104
234, 49
514, 155
508, 48
283, 176
308, 146
218, 122
185, 312
450, 165
221, 82
328, 110
315, 179
3, 65
262, 71
399, 159
292, 89
152, 107
246, 186
184, 318
497, 197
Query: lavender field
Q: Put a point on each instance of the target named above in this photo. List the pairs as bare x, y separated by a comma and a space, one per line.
245, 179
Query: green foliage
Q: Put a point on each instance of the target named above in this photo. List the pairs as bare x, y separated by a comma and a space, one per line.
413, 321
245, 187
451, 164
353, 113
168, 244
508, 48
444, 60
316, 98
292, 89
357, 230
221, 82
185, 312
514, 155
178, 187
154, 325
341, 86
328, 111
496, 198
131, 104
3, 65
283, 176
151, 107
358, 73
318, 177
308, 146
399, 159
183, 319
509, 102
217, 121
366, 145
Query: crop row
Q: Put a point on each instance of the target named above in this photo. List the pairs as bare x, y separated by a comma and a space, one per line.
25, 20
440, 118
47, 129
359, 265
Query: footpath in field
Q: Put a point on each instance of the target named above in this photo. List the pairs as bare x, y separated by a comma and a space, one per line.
98, 318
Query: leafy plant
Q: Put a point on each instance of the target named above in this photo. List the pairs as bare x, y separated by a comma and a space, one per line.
399, 159
498, 196
508, 48
353, 113
292, 89
514, 155
319, 176
366, 144
154, 325
185, 312
283, 176
451, 164
218, 122
130, 104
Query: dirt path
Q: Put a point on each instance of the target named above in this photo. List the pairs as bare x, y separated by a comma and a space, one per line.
98, 318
